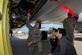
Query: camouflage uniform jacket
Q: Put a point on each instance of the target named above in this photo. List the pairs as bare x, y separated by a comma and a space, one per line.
69, 26
34, 36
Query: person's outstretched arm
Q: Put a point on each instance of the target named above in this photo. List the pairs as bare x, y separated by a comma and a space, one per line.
28, 22
28, 25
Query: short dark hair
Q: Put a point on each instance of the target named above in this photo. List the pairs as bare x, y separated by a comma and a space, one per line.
69, 14
39, 24
61, 30
54, 29
44, 35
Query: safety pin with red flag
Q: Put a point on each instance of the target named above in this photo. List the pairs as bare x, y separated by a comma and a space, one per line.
65, 7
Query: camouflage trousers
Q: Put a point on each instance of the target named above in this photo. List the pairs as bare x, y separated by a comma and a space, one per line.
70, 36
33, 50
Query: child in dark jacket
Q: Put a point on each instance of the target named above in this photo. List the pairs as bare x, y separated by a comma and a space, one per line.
53, 40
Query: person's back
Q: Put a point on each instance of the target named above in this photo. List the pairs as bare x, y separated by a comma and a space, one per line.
46, 47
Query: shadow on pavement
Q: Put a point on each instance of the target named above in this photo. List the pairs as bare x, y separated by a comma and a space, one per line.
19, 46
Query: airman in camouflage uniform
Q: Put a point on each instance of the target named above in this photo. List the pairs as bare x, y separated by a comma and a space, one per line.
69, 26
34, 39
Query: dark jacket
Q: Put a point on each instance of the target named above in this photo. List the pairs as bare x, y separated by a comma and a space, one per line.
65, 47
54, 43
